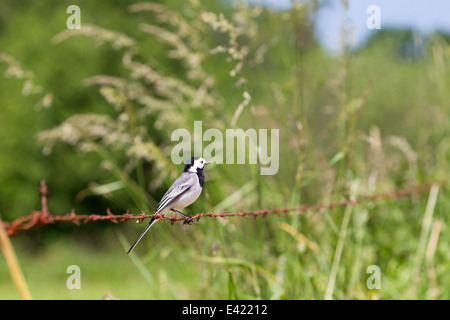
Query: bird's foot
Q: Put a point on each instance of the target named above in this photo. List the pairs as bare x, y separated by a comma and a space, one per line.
187, 219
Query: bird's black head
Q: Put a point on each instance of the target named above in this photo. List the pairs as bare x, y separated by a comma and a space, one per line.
195, 164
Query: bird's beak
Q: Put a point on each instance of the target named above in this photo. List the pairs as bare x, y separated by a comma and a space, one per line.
208, 162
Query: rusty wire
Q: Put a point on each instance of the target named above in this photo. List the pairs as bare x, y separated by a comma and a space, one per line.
43, 216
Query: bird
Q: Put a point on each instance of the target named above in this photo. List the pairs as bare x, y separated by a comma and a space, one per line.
183, 192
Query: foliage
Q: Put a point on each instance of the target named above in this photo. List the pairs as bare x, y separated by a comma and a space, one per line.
102, 102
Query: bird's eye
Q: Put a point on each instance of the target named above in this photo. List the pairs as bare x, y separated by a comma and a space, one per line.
202, 161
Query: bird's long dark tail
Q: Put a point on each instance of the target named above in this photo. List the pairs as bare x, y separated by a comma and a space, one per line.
152, 222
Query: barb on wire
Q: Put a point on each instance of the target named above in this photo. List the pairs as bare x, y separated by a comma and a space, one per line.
43, 216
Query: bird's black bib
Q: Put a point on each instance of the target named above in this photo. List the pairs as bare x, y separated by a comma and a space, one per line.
201, 176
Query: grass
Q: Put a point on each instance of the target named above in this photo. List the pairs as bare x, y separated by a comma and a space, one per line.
253, 259
13, 266
368, 121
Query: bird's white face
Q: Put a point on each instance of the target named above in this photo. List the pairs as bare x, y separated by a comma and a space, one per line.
199, 163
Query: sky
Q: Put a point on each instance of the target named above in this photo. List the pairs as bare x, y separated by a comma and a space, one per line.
421, 15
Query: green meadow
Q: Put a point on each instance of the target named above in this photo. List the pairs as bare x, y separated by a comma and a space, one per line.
92, 111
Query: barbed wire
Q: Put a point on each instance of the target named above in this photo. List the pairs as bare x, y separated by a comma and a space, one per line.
43, 216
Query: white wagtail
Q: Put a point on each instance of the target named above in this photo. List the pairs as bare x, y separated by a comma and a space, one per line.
183, 192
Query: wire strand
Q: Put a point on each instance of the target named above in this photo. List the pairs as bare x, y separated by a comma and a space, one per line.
43, 216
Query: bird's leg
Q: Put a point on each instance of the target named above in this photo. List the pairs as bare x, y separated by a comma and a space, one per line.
186, 217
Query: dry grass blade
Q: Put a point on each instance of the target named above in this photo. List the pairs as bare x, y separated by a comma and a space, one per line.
13, 264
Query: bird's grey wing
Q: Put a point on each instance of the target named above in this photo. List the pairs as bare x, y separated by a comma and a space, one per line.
182, 184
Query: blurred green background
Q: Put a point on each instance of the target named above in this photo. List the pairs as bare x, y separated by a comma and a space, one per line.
92, 111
